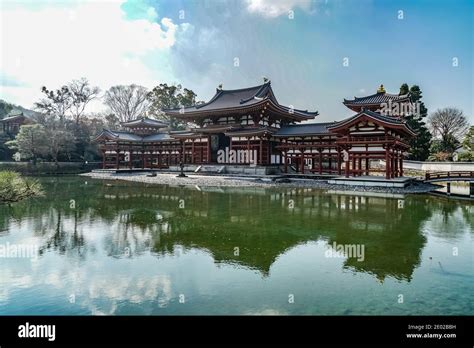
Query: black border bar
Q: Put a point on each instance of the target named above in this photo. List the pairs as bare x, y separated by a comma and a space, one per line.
224, 330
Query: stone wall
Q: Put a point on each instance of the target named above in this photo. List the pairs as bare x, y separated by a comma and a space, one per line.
229, 169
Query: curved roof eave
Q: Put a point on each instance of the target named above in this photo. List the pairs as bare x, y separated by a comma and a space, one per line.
376, 117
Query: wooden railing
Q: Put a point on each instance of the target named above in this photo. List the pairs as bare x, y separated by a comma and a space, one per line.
449, 175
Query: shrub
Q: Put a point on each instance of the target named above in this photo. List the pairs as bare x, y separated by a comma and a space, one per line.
440, 157
466, 156
14, 188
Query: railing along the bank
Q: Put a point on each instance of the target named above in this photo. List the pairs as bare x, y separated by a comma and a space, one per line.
449, 175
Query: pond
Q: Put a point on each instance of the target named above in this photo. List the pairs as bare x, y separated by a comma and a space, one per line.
120, 248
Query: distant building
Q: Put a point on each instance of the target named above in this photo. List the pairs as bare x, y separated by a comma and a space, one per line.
11, 124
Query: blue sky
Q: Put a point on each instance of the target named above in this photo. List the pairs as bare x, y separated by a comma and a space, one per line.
196, 43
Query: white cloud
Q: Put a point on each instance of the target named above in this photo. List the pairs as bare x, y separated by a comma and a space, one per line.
276, 8
151, 13
52, 45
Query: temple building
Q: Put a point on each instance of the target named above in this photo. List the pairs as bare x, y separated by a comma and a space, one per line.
379, 102
249, 126
142, 144
11, 124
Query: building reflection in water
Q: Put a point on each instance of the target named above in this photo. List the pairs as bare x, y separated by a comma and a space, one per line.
262, 223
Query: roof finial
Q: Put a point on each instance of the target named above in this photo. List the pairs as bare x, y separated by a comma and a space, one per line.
381, 89
219, 87
266, 79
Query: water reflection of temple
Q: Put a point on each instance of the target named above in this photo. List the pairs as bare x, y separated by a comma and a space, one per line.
266, 226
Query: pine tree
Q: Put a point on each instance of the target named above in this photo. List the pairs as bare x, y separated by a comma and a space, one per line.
420, 145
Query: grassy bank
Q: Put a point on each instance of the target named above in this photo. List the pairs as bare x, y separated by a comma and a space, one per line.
49, 168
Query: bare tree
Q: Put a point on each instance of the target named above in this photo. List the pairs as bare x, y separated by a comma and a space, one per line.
81, 94
127, 102
56, 103
448, 123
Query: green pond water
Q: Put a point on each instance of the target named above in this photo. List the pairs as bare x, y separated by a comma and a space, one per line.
126, 248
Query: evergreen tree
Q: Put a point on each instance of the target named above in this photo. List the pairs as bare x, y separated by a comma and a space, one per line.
31, 142
468, 142
170, 97
5, 108
420, 145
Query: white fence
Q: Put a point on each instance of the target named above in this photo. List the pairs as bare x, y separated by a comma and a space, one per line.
437, 166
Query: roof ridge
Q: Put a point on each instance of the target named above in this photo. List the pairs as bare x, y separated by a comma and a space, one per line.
258, 93
377, 94
307, 124
247, 88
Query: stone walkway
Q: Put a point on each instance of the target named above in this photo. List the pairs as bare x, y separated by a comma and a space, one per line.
233, 181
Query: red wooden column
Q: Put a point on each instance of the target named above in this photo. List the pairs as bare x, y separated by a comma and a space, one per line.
367, 165
269, 152
392, 164
354, 165
302, 160
360, 165
387, 163
347, 164
248, 151
130, 158
260, 152
184, 151
320, 161
151, 158
208, 149
286, 161
192, 149
330, 162
396, 163
401, 164
339, 161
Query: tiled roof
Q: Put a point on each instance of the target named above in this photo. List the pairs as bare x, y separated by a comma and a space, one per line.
157, 137
145, 121
14, 117
184, 134
224, 99
377, 116
249, 131
239, 98
127, 136
377, 98
304, 129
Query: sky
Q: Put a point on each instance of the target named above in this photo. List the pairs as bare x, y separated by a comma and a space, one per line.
316, 53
